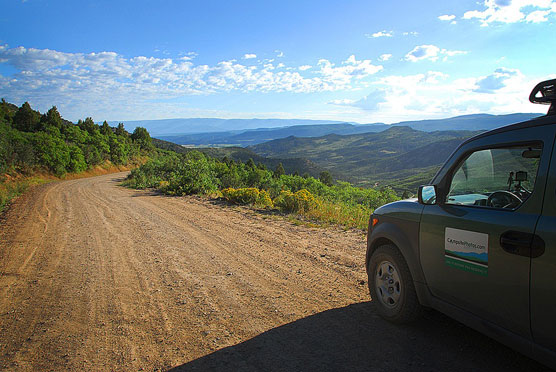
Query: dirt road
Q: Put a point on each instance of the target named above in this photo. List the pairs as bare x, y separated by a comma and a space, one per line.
94, 276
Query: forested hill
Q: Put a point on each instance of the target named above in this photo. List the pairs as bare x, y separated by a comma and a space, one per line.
31, 142
401, 157
241, 154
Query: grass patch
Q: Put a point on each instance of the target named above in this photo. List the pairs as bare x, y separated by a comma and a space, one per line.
11, 189
349, 216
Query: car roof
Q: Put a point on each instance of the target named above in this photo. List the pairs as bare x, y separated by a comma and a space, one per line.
536, 122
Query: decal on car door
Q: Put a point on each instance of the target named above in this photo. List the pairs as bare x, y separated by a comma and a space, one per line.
466, 250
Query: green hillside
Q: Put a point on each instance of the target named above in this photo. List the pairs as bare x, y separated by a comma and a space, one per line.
291, 165
401, 157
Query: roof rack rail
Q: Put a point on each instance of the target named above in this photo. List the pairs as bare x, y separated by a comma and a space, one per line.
547, 90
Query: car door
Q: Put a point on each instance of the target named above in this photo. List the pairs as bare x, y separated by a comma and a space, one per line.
473, 243
543, 269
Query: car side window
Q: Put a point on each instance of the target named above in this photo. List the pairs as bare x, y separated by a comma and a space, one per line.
496, 178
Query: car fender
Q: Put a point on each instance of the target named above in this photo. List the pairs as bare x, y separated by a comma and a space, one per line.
405, 236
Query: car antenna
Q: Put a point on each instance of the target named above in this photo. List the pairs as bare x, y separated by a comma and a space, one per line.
547, 90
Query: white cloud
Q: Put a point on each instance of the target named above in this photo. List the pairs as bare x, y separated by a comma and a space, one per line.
447, 17
422, 52
496, 81
430, 52
73, 80
342, 102
381, 34
508, 11
384, 57
410, 33
370, 102
350, 70
538, 16
435, 95
249, 56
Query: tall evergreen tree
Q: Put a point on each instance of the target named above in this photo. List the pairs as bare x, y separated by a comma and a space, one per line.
105, 129
250, 163
52, 118
261, 166
279, 171
88, 125
26, 119
326, 178
142, 137
120, 130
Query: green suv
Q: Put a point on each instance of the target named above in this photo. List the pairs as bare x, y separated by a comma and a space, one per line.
479, 243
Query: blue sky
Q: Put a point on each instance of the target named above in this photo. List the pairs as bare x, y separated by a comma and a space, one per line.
362, 61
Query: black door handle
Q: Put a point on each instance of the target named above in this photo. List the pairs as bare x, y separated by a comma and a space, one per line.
522, 243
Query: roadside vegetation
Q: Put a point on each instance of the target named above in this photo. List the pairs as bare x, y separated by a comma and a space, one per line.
319, 200
36, 148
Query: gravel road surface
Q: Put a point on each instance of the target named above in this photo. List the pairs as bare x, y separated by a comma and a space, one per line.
97, 277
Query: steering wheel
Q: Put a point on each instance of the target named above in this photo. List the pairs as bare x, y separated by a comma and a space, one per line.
503, 199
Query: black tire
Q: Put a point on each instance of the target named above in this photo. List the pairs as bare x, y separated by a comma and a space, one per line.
391, 286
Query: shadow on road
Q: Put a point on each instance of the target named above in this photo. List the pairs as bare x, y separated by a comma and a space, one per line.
354, 338
118, 179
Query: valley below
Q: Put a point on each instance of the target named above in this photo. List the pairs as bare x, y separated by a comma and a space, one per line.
94, 276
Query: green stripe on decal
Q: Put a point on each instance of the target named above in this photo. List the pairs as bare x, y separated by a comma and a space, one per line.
466, 266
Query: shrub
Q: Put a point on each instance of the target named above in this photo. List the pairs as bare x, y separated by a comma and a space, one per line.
302, 201
248, 196
342, 214
341, 203
194, 176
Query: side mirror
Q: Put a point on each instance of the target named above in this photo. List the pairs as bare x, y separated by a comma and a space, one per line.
427, 194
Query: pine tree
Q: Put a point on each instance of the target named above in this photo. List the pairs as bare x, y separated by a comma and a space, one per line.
261, 166
105, 129
279, 171
250, 163
326, 178
88, 125
26, 119
52, 118
120, 130
142, 137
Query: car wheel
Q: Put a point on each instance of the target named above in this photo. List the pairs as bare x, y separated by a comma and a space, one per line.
391, 286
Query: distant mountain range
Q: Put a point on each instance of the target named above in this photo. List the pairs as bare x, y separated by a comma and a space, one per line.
468, 122
248, 137
260, 135
210, 125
